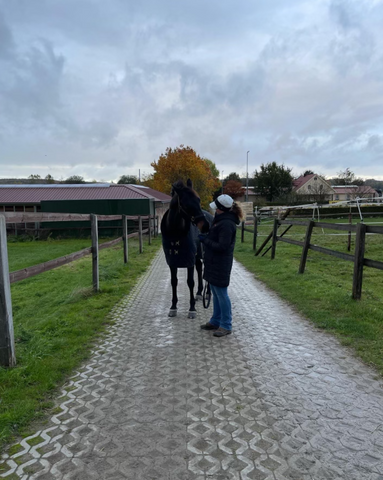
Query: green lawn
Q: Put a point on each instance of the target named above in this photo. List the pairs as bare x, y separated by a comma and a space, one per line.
57, 317
323, 292
26, 254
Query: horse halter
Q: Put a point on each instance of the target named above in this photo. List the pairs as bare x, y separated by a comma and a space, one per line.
194, 220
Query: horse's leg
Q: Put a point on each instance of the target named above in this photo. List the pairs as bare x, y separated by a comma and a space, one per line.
192, 311
198, 267
174, 281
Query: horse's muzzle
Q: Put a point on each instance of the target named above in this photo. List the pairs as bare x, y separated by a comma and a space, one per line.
203, 225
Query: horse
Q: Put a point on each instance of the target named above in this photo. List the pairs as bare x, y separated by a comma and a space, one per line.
177, 238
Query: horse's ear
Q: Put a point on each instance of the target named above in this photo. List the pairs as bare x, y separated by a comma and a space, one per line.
177, 187
189, 183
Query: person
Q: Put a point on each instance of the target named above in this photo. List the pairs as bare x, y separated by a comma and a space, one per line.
218, 261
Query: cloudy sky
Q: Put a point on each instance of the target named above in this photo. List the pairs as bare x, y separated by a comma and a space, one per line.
101, 88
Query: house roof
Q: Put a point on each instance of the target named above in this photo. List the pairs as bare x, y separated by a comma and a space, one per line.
298, 182
362, 189
25, 194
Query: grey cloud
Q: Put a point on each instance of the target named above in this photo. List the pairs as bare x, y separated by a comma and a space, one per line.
118, 82
6, 39
343, 14
31, 84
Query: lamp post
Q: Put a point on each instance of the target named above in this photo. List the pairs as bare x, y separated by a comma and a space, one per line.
247, 175
222, 181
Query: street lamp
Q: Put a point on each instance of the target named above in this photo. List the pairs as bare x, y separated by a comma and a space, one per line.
247, 175
222, 181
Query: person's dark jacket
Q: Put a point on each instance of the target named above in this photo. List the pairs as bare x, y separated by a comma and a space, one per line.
219, 249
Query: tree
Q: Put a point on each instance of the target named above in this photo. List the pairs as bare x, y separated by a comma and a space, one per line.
273, 180
49, 179
308, 172
233, 176
233, 188
34, 177
182, 163
74, 179
128, 179
213, 167
346, 177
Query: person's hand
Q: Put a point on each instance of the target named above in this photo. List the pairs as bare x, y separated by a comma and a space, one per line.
202, 237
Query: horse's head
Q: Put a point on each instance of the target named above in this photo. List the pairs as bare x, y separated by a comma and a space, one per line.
190, 204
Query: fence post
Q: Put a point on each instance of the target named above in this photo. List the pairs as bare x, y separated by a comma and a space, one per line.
274, 238
94, 233
157, 227
242, 232
141, 243
360, 243
255, 232
125, 237
349, 233
7, 341
306, 246
150, 229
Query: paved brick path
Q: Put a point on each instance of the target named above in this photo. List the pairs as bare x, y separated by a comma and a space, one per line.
161, 399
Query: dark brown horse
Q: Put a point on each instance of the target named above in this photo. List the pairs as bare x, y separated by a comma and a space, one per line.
178, 240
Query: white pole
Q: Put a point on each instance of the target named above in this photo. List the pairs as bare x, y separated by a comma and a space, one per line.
247, 176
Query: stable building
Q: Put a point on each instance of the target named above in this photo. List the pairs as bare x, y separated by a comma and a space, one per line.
102, 199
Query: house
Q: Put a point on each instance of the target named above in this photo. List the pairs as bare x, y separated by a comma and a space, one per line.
314, 188
352, 192
101, 198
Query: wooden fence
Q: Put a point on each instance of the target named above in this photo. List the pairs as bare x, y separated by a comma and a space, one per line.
254, 231
7, 344
358, 258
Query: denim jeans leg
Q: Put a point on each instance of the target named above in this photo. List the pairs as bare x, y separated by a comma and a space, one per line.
216, 318
224, 305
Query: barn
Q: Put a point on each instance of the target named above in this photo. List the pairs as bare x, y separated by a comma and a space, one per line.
98, 198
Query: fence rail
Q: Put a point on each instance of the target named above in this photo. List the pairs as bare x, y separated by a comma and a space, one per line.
30, 217
358, 258
7, 343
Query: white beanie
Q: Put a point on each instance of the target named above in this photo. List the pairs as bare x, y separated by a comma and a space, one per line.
223, 202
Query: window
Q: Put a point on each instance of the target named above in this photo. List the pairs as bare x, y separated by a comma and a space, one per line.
308, 187
320, 187
336, 197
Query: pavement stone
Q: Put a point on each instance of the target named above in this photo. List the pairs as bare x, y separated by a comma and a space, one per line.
161, 399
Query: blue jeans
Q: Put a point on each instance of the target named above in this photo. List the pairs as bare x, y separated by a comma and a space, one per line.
221, 308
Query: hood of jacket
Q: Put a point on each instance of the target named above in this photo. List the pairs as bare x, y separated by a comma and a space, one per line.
227, 216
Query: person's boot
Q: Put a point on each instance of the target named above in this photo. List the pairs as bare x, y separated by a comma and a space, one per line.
208, 326
222, 332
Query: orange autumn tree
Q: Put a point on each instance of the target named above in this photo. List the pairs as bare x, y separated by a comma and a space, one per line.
182, 163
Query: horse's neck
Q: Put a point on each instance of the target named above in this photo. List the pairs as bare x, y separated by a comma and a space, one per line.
175, 224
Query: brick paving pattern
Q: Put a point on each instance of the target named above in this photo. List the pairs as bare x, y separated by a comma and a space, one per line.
161, 399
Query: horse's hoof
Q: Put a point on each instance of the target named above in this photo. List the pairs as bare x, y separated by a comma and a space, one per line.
172, 312
192, 314
198, 297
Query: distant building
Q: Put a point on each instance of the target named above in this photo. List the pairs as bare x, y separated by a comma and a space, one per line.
314, 188
352, 192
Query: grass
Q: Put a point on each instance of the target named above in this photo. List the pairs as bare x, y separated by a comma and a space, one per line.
323, 292
26, 254
57, 318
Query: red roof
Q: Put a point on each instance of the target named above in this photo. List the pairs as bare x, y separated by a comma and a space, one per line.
361, 189
298, 182
13, 194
